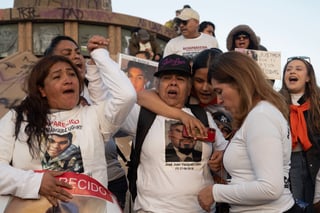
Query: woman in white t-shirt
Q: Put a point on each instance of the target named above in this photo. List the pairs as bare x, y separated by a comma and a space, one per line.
258, 156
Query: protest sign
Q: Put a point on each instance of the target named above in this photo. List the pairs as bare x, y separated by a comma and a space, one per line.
88, 196
270, 62
142, 79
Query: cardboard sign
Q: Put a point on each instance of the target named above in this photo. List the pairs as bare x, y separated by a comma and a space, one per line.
13, 71
270, 62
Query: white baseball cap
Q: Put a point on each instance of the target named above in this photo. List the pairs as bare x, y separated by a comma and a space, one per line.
187, 14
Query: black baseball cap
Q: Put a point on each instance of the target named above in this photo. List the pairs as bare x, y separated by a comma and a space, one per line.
174, 63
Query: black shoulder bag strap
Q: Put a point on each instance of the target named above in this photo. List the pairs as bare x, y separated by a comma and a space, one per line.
146, 118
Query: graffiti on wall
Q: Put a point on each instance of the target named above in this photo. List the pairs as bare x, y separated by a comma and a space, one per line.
84, 14
89, 4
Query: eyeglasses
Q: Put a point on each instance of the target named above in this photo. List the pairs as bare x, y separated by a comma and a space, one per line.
305, 58
242, 36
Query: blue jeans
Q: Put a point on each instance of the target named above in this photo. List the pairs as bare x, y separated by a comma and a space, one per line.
301, 183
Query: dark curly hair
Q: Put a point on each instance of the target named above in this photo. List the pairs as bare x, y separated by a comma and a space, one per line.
34, 109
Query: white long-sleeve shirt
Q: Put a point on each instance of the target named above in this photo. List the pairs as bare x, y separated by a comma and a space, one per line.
258, 159
87, 124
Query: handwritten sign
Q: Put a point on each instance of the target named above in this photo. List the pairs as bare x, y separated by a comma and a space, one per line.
269, 61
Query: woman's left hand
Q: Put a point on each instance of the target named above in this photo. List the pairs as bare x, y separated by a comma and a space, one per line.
205, 198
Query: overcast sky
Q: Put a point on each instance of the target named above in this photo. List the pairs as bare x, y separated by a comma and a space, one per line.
288, 26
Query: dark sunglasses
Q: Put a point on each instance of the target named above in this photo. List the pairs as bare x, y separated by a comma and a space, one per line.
305, 58
241, 36
183, 22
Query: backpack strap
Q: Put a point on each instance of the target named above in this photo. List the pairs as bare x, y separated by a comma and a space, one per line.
120, 153
146, 118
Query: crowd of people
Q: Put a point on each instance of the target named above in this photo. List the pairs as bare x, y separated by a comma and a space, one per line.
211, 136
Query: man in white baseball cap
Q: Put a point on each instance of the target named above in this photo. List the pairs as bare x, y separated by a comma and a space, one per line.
191, 41
188, 13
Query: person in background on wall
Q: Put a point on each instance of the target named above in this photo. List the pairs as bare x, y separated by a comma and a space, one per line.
299, 87
172, 24
51, 105
242, 36
208, 28
191, 41
258, 156
143, 41
68, 47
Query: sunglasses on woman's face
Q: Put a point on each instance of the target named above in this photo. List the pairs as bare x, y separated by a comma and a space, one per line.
242, 36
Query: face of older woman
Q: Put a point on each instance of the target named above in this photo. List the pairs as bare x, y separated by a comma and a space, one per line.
61, 87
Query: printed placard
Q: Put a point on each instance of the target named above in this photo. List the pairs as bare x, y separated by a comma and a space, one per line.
88, 196
140, 71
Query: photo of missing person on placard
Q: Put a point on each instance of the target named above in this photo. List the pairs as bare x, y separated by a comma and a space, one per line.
139, 71
180, 148
61, 154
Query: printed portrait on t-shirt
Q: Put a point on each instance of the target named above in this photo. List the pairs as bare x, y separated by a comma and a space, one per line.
180, 148
61, 154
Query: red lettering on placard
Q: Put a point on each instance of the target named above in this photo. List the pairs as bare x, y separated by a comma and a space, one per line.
85, 185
